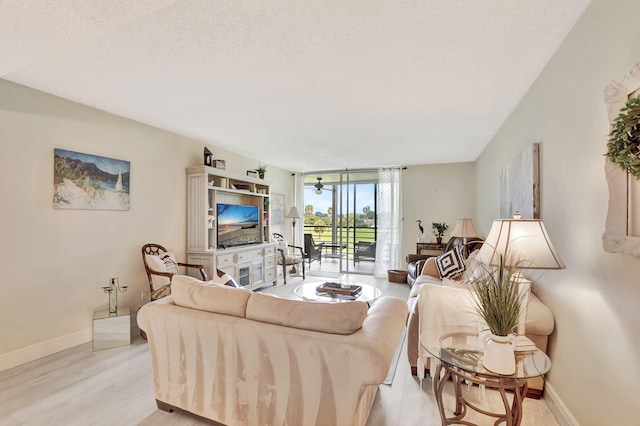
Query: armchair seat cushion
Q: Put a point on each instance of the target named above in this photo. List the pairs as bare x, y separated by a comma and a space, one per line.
289, 259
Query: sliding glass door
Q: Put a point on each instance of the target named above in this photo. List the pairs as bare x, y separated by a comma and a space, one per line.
340, 211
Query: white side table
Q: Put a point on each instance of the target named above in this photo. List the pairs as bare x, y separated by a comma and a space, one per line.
111, 331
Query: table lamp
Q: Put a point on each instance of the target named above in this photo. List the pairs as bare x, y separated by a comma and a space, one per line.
464, 229
524, 243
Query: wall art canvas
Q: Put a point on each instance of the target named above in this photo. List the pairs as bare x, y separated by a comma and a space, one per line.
277, 209
85, 181
520, 185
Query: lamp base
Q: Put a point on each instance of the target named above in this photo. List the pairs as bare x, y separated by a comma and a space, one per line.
524, 289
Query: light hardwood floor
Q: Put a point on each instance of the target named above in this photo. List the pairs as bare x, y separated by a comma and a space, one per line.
113, 387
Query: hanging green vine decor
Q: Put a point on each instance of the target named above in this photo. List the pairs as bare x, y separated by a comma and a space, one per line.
624, 139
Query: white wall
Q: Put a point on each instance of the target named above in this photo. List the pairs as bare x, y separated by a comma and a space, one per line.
435, 193
55, 261
595, 349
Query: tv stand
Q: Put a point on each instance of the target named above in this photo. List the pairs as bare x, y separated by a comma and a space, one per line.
250, 264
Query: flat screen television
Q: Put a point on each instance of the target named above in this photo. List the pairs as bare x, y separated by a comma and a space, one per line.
237, 225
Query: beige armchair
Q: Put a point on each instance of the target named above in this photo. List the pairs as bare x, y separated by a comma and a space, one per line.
160, 266
285, 257
446, 303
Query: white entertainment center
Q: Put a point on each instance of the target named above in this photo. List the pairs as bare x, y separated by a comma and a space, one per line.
252, 265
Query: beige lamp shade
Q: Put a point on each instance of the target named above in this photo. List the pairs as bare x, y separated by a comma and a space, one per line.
464, 228
523, 241
293, 213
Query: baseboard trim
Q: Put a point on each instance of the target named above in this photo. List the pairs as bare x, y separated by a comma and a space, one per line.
40, 350
557, 407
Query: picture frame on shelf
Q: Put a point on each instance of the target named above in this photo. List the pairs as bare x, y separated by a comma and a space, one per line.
252, 173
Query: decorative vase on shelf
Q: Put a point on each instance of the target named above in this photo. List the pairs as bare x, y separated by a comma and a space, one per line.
499, 353
439, 240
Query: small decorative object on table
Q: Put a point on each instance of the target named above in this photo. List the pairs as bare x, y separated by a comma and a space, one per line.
261, 170
339, 290
112, 289
439, 228
208, 157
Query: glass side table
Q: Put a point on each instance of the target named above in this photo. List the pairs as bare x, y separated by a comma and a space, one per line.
111, 330
459, 352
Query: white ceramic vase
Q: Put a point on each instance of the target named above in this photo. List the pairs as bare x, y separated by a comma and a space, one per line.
499, 353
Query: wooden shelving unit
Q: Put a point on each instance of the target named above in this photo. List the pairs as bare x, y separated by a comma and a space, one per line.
251, 265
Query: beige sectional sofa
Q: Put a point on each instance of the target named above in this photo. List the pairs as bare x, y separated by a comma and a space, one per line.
446, 302
243, 358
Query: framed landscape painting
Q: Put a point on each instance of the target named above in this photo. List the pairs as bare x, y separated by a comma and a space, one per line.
85, 181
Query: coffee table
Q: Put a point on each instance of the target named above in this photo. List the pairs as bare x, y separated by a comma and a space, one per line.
308, 292
460, 356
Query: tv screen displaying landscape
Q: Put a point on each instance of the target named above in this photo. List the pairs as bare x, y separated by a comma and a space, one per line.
237, 225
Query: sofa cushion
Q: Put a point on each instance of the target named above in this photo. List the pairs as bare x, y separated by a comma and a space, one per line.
335, 318
209, 296
430, 268
451, 264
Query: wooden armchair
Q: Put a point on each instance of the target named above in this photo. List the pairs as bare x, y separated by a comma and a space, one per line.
160, 266
364, 250
285, 258
312, 250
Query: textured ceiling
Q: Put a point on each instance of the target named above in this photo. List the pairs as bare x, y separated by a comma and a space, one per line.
304, 85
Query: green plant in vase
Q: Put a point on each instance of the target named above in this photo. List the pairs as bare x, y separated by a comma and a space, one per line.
498, 302
262, 169
439, 228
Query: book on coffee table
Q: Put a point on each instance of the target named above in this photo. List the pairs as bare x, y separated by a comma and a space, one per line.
336, 289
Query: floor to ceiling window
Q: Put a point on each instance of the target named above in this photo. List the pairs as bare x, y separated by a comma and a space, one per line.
340, 211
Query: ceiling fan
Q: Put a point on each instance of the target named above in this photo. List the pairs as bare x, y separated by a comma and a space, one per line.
319, 186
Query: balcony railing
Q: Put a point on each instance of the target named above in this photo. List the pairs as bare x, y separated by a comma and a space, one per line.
349, 235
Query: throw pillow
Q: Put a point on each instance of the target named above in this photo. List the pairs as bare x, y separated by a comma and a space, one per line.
220, 279
165, 262
451, 263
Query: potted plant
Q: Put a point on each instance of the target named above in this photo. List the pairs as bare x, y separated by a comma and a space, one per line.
262, 169
498, 301
439, 228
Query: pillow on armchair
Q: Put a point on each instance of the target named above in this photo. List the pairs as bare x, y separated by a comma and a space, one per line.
165, 262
